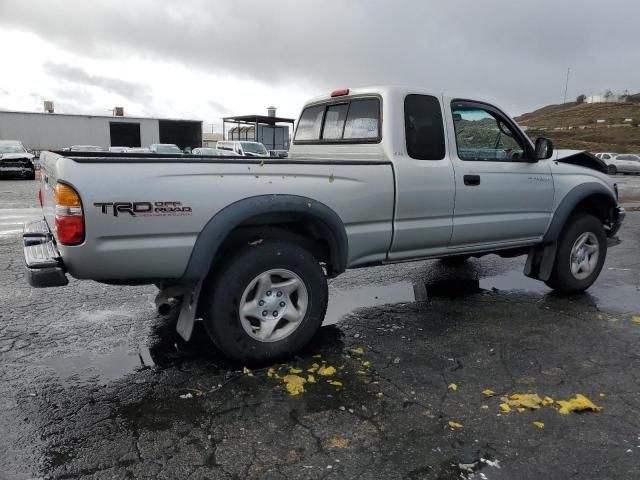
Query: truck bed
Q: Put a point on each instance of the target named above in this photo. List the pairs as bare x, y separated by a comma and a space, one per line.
186, 192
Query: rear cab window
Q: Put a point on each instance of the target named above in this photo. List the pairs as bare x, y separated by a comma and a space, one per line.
424, 129
344, 120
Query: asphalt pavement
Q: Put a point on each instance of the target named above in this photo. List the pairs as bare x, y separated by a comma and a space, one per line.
95, 385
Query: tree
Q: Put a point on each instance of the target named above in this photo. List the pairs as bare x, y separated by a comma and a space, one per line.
581, 98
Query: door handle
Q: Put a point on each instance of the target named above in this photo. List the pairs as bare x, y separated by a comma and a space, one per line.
471, 180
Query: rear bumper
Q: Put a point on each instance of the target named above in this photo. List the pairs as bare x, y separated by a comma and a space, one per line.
41, 256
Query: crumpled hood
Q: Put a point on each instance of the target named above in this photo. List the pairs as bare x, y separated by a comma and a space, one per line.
580, 158
11, 156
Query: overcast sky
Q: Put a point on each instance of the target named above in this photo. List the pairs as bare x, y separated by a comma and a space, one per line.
205, 59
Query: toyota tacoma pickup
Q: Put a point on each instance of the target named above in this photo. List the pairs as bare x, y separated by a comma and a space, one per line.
374, 176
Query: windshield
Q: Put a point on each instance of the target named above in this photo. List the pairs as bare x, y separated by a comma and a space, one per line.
12, 148
252, 147
168, 149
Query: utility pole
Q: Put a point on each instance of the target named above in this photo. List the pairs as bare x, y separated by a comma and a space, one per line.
212, 125
566, 86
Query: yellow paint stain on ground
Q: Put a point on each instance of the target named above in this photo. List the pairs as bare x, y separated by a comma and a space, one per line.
358, 350
539, 424
336, 442
326, 371
487, 392
294, 383
453, 387
578, 403
531, 401
455, 425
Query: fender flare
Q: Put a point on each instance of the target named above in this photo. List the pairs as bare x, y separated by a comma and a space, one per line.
226, 220
569, 203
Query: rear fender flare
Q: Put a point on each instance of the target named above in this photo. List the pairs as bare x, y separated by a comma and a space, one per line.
226, 220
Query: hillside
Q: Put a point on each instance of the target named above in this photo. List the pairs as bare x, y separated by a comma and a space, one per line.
573, 125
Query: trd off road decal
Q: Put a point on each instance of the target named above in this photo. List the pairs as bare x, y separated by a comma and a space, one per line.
143, 209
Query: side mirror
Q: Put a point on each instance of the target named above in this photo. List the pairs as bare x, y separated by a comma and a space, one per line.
544, 149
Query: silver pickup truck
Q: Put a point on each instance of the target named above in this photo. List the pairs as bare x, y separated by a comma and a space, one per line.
374, 176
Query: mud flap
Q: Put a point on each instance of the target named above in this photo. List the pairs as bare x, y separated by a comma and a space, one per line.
540, 261
188, 308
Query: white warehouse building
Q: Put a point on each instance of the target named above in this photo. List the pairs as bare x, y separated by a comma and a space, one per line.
55, 131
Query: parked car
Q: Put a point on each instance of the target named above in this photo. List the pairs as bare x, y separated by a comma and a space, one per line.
16, 161
165, 148
244, 149
213, 151
138, 150
625, 163
248, 245
83, 148
118, 149
279, 153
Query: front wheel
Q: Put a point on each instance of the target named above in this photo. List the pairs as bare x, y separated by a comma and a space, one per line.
582, 249
267, 301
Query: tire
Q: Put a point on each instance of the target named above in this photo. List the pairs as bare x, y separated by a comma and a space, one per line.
612, 169
253, 336
579, 227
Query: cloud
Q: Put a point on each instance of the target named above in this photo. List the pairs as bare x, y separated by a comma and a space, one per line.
515, 52
135, 92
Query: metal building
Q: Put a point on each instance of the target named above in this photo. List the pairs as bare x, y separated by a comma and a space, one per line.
266, 129
54, 131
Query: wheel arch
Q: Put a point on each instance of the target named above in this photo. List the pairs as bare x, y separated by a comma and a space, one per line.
299, 217
592, 197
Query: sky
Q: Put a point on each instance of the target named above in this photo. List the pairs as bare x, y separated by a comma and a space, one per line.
202, 59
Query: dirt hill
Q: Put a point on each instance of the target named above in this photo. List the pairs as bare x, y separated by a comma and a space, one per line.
574, 125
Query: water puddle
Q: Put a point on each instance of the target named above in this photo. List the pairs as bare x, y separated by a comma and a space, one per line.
345, 301
99, 367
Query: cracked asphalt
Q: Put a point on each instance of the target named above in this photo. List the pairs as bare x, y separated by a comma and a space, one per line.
95, 385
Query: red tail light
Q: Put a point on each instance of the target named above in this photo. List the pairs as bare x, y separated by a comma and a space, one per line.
69, 216
340, 93
40, 198
70, 230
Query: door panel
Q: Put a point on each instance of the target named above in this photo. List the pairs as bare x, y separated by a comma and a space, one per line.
424, 179
501, 197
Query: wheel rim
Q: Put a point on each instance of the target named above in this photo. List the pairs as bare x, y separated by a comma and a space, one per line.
273, 305
584, 255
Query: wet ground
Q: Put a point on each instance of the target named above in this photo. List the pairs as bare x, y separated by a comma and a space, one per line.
94, 384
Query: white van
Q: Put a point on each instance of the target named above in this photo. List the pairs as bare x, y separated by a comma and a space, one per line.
245, 149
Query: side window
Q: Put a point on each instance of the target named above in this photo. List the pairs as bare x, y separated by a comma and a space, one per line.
606, 156
483, 136
310, 123
334, 121
424, 132
363, 119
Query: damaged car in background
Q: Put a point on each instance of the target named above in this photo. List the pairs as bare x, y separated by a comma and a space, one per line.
16, 161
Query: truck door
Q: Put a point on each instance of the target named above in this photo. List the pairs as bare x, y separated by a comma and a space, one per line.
425, 187
502, 194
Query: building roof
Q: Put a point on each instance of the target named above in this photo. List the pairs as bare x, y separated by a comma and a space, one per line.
126, 117
258, 118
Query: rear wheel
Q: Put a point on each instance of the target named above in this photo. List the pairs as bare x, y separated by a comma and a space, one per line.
582, 249
612, 170
266, 301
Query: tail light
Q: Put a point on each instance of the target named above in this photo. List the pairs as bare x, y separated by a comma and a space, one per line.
40, 198
69, 216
